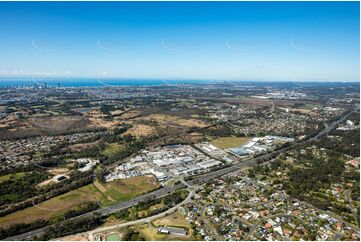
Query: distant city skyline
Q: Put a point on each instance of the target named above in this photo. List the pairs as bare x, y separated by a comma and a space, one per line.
236, 41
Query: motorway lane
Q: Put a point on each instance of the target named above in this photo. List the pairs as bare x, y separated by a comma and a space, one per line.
252, 162
197, 181
107, 210
143, 220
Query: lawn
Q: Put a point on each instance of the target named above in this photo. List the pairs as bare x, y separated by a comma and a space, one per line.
151, 234
175, 219
52, 207
112, 237
7, 177
128, 188
107, 193
230, 142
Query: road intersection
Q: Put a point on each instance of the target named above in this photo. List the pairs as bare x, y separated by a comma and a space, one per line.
190, 185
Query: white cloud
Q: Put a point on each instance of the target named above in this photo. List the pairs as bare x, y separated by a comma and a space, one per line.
294, 46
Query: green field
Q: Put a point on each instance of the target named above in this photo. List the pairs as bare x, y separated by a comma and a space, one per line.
174, 219
151, 234
112, 237
230, 142
106, 193
113, 149
15, 175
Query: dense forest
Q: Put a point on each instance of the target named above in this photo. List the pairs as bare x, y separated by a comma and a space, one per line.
17, 189
71, 227
16, 199
21, 228
343, 142
168, 202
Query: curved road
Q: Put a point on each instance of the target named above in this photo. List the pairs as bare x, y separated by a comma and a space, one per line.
143, 220
209, 226
351, 206
197, 181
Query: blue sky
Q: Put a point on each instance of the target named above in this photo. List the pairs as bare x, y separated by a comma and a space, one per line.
305, 41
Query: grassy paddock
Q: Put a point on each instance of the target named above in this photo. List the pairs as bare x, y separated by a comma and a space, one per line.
230, 142
174, 219
112, 149
7, 177
109, 193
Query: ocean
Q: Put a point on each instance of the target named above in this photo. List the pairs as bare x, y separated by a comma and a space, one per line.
26, 82
93, 82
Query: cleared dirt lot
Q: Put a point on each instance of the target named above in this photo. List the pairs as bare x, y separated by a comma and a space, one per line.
58, 123
139, 130
82, 146
164, 119
103, 123
41, 125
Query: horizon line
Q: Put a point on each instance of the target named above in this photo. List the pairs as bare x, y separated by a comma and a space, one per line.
167, 79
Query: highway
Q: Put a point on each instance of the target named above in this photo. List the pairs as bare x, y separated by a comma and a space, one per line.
199, 180
143, 220
107, 210
252, 162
